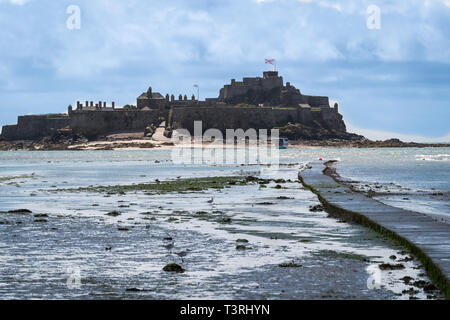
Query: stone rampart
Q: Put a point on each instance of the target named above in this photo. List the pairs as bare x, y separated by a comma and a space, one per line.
94, 123
34, 126
232, 117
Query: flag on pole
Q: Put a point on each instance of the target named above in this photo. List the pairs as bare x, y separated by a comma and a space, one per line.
271, 61
195, 85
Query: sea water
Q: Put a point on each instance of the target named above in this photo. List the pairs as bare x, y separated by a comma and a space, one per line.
417, 179
77, 251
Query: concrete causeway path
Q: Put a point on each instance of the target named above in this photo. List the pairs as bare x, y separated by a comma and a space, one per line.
426, 238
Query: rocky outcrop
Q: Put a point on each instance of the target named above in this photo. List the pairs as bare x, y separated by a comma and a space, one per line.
361, 142
59, 139
65, 136
319, 132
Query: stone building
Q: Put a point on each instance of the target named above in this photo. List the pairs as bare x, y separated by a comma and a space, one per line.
257, 102
151, 100
269, 81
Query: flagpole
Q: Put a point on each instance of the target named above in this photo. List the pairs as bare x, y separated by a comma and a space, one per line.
198, 91
272, 62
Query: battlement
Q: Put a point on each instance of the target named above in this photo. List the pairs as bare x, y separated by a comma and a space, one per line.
270, 74
90, 106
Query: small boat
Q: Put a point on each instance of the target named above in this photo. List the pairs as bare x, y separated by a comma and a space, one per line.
283, 143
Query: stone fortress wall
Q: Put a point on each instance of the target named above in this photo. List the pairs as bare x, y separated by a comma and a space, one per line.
233, 117
258, 102
34, 126
95, 123
229, 117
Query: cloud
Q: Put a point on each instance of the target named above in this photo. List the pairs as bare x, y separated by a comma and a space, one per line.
19, 2
321, 46
332, 5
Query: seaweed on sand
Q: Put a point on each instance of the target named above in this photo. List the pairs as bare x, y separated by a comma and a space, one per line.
173, 267
178, 185
344, 255
17, 211
113, 213
23, 176
291, 264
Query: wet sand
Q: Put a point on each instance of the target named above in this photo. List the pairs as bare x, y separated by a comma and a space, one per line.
293, 251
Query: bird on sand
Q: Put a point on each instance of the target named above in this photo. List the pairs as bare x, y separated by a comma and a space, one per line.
169, 246
181, 254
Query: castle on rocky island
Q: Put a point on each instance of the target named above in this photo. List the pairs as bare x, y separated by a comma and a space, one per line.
258, 102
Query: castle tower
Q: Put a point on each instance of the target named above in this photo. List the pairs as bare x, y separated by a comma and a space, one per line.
271, 80
270, 74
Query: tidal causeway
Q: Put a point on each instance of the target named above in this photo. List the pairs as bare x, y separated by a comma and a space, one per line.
425, 237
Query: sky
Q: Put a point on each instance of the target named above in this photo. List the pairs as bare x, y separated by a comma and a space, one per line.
390, 75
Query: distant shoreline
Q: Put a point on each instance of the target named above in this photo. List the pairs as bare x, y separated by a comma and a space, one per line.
148, 143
